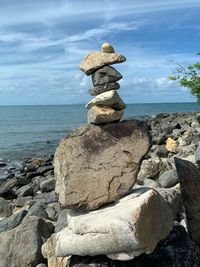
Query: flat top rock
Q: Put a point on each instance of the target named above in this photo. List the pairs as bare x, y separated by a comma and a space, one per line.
98, 59
122, 231
95, 165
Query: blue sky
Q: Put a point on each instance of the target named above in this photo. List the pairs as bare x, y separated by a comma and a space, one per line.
43, 41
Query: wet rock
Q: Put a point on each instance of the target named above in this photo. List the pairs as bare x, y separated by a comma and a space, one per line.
103, 160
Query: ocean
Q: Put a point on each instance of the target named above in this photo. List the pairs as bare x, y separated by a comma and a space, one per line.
35, 131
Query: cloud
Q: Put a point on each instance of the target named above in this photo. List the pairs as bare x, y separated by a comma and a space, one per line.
42, 43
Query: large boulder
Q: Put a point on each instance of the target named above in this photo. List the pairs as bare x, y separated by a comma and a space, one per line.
177, 250
189, 176
21, 247
122, 231
96, 165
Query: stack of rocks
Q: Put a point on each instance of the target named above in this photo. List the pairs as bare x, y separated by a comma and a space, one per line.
95, 169
107, 106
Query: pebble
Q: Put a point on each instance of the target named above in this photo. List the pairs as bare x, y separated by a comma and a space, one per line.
107, 48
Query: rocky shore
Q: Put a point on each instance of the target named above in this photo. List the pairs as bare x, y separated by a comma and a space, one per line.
34, 212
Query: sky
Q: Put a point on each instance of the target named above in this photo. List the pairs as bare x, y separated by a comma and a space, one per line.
42, 43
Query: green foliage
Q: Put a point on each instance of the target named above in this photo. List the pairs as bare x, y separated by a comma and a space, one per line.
188, 77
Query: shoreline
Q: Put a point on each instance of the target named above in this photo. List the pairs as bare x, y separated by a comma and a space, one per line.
27, 193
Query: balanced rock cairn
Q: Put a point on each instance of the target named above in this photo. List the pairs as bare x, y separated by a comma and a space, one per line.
107, 106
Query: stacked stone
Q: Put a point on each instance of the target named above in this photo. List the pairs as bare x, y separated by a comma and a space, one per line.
96, 167
107, 106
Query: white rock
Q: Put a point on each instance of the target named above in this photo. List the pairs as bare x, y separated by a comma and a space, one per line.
122, 231
110, 99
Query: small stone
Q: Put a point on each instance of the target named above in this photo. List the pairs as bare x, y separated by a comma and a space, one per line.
105, 75
12, 221
101, 115
22, 201
41, 265
197, 154
107, 48
168, 178
96, 60
38, 210
162, 151
5, 208
110, 98
97, 90
171, 145
26, 190
47, 185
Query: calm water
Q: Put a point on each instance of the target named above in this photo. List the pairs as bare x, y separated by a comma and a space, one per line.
35, 131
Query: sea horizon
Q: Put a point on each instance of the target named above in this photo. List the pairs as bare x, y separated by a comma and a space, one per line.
28, 131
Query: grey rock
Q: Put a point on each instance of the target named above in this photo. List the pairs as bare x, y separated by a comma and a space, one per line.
103, 88
189, 177
197, 154
26, 190
47, 185
168, 178
104, 161
41, 265
53, 210
177, 250
22, 201
151, 183
173, 196
21, 247
43, 169
196, 139
62, 220
38, 210
2, 163
5, 208
12, 221
105, 75
162, 151
46, 198
7, 193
